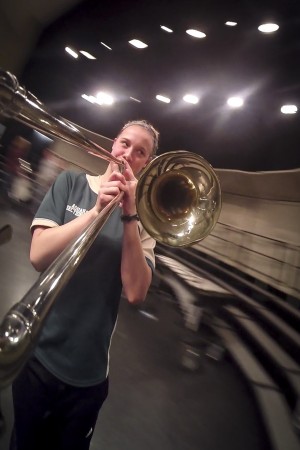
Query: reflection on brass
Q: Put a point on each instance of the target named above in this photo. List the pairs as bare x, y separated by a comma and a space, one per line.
178, 201
178, 198
18, 103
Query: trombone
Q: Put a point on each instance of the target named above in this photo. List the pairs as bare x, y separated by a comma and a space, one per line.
178, 199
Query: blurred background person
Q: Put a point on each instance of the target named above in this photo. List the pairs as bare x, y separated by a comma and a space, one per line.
15, 176
49, 167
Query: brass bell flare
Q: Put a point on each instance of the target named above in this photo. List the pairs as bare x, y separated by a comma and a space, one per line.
179, 198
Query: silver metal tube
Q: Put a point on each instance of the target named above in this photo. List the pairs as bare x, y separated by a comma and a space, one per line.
18, 103
180, 223
22, 324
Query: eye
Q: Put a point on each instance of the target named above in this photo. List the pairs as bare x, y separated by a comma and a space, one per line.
124, 143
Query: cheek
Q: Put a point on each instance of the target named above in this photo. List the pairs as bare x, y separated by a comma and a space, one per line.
140, 165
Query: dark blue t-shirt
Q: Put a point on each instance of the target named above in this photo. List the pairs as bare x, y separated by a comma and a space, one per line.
75, 340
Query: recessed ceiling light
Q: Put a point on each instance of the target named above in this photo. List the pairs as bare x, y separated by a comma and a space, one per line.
137, 43
105, 45
162, 98
168, 30
89, 98
230, 24
104, 99
235, 102
135, 99
87, 54
196, 33
289, 109
71, 52
268, 27
190, 98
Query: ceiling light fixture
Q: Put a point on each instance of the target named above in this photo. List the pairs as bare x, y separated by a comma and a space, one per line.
168, 30
104, 99
89, 98
268, 27
87, 54
71, 52
135, 99
230, 24
137, 43
190, 98
196, 33
162, 98
106, 46
289, 109
235, 102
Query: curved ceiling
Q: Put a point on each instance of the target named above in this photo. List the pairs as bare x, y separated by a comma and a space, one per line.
230, 61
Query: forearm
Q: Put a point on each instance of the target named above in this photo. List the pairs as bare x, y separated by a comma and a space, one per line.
48, 243
136, 273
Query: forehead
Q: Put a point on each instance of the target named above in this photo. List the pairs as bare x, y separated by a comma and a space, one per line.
138, 135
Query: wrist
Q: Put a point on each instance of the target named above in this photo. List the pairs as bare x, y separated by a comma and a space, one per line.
129, 218
94, 212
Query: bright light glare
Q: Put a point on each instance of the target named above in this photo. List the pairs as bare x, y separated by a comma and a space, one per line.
230, 24
87, 54
104, 99
189, 98
71, 52
168, 30
162, 98
137, 43
196, 33
235, 102
106, 46
289, 109
89, 98
135, 99
268, 27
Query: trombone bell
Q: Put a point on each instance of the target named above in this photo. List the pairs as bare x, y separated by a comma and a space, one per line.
178, 198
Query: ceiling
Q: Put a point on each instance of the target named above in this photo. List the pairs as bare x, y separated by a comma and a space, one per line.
263, 68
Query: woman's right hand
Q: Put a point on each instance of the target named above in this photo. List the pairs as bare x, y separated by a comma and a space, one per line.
109, 189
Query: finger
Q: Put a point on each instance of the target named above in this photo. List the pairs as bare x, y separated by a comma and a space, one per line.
114, 167
113, 188
128, 173
117, 176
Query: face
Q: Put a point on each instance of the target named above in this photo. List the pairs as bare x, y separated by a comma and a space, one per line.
135, 145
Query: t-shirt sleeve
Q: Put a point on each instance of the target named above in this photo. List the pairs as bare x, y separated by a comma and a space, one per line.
51, 211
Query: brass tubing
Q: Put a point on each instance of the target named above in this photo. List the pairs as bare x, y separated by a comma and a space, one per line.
18, 103
188, 218
22, 324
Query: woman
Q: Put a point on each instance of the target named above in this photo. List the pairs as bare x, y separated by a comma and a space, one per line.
58, 395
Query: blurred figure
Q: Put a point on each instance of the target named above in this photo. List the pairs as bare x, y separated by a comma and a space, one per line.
49, 168
14, 170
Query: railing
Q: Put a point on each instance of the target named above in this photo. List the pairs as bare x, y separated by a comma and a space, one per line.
273, 262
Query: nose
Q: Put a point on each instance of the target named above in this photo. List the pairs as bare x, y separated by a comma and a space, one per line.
128, 154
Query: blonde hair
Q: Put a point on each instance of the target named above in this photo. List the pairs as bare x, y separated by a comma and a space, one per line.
150, 128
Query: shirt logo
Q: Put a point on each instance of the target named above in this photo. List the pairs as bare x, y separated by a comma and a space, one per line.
74, 209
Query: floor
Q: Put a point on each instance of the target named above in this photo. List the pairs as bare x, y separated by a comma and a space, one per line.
156, 401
